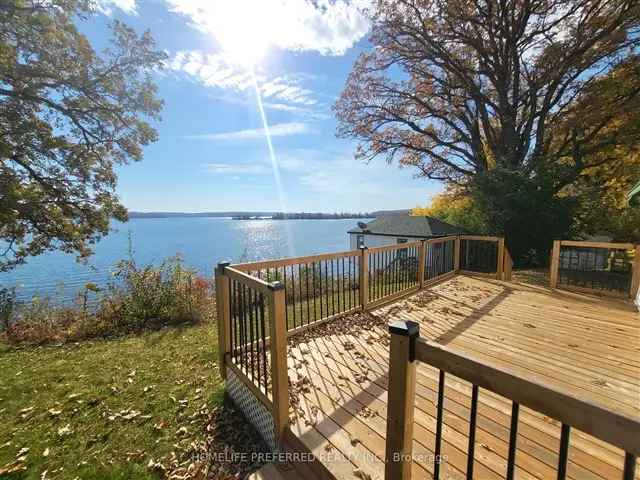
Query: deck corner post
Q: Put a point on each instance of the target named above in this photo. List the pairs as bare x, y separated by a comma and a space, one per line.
500, 266
456, 255
223, 315
279, 373
364, 277
508, 265
401, 400
555, 263
422, 255
635, 279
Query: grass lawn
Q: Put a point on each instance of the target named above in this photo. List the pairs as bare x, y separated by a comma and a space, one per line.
113, 409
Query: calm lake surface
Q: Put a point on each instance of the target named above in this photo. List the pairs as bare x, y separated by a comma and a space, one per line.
202, 242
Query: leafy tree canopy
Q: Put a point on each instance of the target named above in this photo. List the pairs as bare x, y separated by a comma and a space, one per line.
517, 103
67, 116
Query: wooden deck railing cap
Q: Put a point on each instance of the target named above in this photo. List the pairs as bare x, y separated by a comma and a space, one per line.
407, 329
275, 286
222, 265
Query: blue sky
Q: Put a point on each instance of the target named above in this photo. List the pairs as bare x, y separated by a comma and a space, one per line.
212, 152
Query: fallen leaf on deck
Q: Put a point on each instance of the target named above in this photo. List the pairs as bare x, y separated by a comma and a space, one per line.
360, 474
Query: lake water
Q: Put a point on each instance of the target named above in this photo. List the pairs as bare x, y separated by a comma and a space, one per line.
202, 242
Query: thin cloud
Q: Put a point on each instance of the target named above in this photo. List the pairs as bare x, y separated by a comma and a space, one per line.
215, 70
106, 6
277, 130
235, 169
329, 27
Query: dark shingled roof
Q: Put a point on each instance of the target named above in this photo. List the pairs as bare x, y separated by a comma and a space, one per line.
409, 226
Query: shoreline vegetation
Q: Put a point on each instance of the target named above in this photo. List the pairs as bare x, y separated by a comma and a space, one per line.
138, 298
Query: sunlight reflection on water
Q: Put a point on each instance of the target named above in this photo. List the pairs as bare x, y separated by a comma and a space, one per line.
202, 242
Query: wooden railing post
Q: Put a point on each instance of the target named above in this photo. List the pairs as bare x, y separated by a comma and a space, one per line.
279, 373
508, 265
555, 264
456, 255
223, 316
401, 400
364, 277
635, 273
500, 266
421, 261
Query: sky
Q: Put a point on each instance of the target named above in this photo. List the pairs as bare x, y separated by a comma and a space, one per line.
225, 58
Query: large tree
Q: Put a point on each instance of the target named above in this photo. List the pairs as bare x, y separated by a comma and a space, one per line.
68, 115
491, 96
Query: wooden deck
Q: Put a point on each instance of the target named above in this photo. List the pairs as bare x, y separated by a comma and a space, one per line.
587, 346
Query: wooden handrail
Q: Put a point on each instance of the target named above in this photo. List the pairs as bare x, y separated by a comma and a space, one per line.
285, 262
612, 427
407, 348
248, 280
608, 245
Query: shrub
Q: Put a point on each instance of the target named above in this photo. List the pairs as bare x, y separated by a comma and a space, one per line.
138, 298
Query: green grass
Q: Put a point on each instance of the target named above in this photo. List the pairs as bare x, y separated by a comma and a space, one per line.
104, 409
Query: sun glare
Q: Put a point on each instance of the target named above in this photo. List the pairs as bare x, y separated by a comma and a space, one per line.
242, 30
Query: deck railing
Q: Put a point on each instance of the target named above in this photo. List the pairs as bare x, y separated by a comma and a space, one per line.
261, 303
596, 267
407, 349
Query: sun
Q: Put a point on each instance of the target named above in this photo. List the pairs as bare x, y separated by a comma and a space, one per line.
243, 30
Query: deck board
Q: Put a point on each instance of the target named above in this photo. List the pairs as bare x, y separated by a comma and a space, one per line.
586, 346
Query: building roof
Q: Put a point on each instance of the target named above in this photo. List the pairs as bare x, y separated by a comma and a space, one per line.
404, 225
634, 195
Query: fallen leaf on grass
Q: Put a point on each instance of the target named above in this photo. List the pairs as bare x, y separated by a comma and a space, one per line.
45, 453
12, 468
64, 431
53, 412
22, 451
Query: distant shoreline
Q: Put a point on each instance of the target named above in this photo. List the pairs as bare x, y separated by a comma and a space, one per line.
265, 215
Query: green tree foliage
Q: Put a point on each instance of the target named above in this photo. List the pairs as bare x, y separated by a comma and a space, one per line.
513, 102
457, 208
68, 116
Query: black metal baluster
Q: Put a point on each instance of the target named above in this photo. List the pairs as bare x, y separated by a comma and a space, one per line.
232, 317
326, 284
256, 313
293, 299
300, 297
338, 282
344, 305
333, 291
472, 431
313, 280
629, 472
286, 302
439, 419
264, 345
251, 336
243, 330
513, 441
564, 451
306, 270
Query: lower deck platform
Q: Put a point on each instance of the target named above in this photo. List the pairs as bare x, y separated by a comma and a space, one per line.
583, 345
